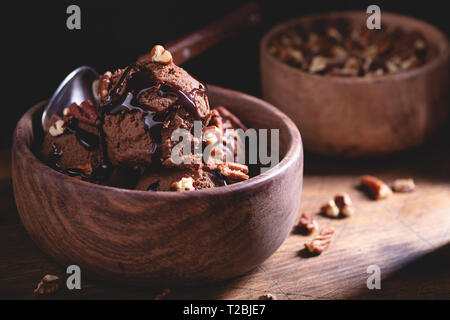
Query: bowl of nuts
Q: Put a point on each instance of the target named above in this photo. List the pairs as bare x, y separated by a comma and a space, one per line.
161, 237
355, 92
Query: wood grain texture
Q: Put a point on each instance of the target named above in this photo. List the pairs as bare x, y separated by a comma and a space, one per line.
408, 236
162, 237
353, 117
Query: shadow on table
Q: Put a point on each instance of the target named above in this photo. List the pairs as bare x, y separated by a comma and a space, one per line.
426, 278
431, 161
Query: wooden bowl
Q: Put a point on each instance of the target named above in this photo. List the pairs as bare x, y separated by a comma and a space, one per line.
353, 117
163, 238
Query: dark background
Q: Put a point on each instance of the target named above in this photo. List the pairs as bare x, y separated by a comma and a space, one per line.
39, 51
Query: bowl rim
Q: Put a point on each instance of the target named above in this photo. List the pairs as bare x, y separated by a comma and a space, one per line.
293, 153
441, 57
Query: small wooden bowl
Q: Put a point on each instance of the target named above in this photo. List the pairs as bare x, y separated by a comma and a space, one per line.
355, 117
162, 238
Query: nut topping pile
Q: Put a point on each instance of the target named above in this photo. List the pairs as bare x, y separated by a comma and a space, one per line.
339, 48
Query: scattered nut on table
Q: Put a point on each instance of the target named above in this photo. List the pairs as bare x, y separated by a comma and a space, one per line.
267, 296
166, 292
330, 209
320, 243
376, 188
306, 225
49, 284
344, 203
403, 185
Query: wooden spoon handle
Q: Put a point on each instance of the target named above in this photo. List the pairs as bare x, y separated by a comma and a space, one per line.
197, 42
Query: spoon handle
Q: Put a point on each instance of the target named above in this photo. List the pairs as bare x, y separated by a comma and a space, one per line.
197, 42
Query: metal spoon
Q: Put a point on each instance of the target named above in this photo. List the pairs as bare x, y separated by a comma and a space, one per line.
77, 87
80, 84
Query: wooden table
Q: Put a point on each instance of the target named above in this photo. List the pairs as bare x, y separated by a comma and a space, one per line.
407, 236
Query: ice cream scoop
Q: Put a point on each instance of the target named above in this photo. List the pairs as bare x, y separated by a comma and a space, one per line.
81, 83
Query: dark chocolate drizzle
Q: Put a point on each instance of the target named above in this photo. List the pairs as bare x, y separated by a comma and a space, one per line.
88, 140
133, 83
218, 178
55, 156
154, 186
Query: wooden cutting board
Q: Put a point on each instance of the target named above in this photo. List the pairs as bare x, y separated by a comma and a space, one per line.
407, 236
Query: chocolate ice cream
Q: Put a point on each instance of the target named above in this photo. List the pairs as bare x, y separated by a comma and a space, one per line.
129, 134
73, 144
195, 178
145, 103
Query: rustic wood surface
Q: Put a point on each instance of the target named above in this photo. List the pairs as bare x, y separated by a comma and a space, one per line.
407, 236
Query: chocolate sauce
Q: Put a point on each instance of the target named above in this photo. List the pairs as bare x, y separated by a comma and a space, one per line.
187, 100
55, 156
218, 178
88, 140
76, 172
154, 186
133, 83
101, 173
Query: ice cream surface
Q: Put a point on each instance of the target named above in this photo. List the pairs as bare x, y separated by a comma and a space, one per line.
130, 132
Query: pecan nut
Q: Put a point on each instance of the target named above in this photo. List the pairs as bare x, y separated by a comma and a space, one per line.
344, 203
85, 112
267, 296
376, 188
216, 120
233, 171
166, 292
184, 184
330, 209
58, 128
403, 185
161, 55
103, 85
227, 116
320, 242
306, 225
49, 284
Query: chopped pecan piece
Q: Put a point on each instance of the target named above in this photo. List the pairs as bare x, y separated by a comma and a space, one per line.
228, 116
216, 120
57, 128
306, 225
376, 188
163, 294
267, 296
320, 242
48, 284
86, 168
161, 55
233, 171
85, 112
185, 184
341, 49
212, 135
318, 64
344, 203
330, 209
403, 185
103, 85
